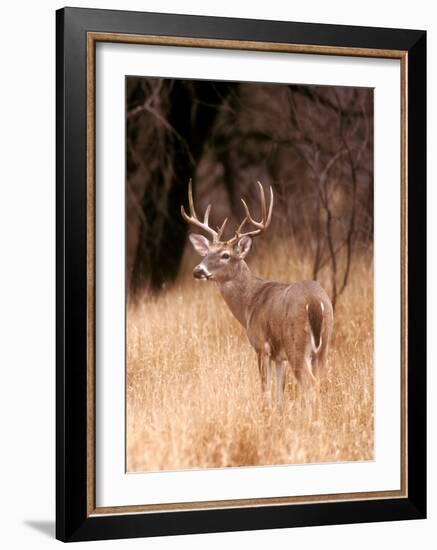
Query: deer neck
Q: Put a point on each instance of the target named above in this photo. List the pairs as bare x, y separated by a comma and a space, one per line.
238, 292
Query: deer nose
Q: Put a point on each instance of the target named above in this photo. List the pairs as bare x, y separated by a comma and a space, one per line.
199, 272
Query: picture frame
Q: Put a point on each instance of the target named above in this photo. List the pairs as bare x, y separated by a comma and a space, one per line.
78, 30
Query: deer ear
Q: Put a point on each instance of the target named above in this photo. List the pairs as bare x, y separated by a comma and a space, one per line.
244, 245
200, 243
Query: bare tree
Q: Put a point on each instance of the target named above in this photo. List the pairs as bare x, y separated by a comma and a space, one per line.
168, 123
313, 144
334, 169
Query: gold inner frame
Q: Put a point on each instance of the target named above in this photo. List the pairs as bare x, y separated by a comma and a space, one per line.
92, 39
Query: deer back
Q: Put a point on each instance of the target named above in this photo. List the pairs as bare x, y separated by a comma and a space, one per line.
279, 313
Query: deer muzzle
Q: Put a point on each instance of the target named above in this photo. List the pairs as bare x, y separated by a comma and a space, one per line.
199, 272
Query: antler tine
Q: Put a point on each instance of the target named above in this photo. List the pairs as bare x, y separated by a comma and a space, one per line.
190, 199
269, 215
266, 215
240, 227
221, 229
206, 216
263, 201
248, 216
194, 220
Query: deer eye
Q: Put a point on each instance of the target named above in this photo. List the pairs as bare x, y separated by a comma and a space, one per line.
225, 256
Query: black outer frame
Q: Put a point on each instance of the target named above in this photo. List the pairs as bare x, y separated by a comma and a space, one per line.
72, 523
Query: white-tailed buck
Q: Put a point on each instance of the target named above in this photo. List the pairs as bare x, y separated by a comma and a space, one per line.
285, 323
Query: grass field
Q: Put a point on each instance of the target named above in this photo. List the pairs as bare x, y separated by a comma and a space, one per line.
193, 389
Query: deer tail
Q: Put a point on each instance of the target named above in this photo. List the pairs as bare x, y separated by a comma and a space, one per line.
315, 310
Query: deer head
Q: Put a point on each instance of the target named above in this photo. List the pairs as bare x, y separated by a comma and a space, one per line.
222, 259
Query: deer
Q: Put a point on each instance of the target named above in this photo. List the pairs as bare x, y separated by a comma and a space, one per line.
286, 324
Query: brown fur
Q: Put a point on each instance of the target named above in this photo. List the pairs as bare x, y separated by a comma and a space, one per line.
279, 318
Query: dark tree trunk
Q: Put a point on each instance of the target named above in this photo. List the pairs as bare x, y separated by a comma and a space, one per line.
193, 108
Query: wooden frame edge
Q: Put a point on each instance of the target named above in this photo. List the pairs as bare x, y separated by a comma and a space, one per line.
404, 272
92, 39
216, 43
248, 503
91, 278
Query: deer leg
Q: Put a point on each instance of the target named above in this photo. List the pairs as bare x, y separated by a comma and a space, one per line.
280, 382
262, 374
304, 375
265, 373
268, 364
299, 357
319, 362
309, 385
303, 369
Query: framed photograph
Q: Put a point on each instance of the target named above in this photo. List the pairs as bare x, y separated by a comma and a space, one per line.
241, 274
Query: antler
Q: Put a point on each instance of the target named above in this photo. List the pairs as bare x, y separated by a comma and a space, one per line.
194, 220
266, 216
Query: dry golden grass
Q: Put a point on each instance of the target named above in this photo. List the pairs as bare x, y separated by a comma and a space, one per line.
193, 390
